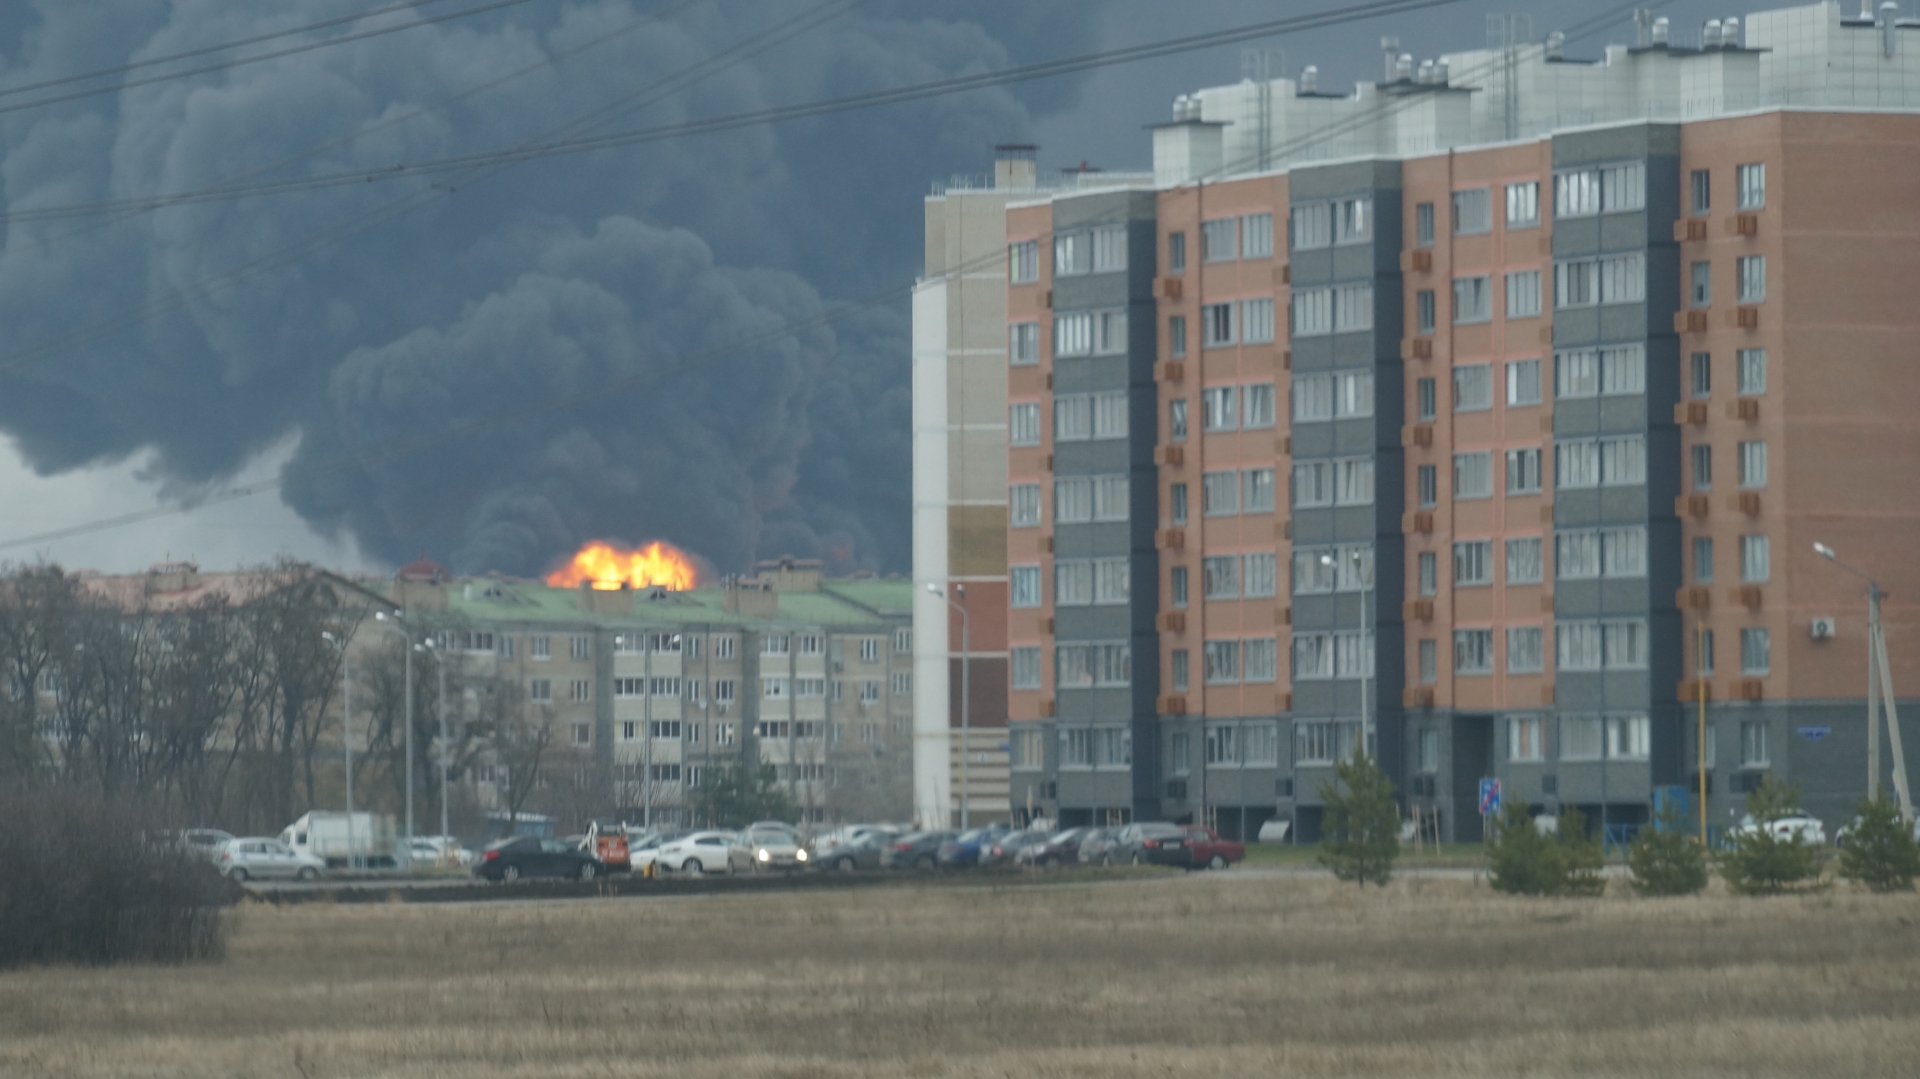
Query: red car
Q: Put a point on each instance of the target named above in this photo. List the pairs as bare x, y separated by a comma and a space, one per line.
1209, 850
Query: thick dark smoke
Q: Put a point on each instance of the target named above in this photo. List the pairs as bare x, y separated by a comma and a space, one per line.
594, 302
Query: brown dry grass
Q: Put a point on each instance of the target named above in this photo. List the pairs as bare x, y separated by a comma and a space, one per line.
1197, 976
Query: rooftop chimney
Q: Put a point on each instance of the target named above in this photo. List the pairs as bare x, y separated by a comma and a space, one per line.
1310, 80
1662, 31
1556, 45
1889, 14
1014, 165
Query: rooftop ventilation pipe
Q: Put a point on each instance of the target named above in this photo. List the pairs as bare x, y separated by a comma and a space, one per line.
1710, 37
1730, 33
1441, 71
1662, 31
1425, 76
1310, 79
1556, 45
1403, 67
1889, 12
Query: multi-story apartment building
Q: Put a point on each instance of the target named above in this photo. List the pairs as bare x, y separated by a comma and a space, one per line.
1482, 417
647, 688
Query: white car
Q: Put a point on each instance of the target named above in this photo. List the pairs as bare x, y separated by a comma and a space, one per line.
643, 850
705, 852
1799, 827
260, 858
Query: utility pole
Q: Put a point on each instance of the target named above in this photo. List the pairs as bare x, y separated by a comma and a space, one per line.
346, 730
1879, 693
396, 620
1700, 694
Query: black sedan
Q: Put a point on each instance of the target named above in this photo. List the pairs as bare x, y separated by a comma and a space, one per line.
512, 859
1060, 848
917, 850
1156, 843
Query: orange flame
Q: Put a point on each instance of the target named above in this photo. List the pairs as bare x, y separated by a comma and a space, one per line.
607, 566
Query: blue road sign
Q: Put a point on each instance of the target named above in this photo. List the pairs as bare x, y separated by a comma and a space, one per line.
1489, 797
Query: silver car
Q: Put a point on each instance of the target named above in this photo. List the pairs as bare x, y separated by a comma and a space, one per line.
260, 858
775, 848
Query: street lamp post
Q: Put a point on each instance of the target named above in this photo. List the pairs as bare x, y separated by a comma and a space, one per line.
966, 683
440, 664
1879, 690
396, 620
346, 729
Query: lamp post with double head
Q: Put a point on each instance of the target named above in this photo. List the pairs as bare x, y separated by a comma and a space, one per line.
966, 683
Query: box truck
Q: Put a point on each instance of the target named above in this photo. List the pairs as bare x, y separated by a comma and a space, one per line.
370, 843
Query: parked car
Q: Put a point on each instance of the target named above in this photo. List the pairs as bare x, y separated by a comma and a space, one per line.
849, 835
1208, 850
1153, 843
205, 842
775, 847
508, 860
915, 850
441, 850
1846, 831
1060, 848
964, 849
1003, 850
868, 852
705, 852
260, 858
1100, 846
643, 849
1799, 827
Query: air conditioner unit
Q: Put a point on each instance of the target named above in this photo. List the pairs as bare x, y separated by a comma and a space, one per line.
1821, 629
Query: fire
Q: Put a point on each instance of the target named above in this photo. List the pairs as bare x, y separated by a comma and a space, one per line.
607, 566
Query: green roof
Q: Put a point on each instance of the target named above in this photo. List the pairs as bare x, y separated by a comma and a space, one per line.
839, 603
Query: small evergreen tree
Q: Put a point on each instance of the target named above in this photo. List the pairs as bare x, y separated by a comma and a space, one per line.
1523, 860
735, 795
1880, 851
1361, 829
1760, 863
1665, 860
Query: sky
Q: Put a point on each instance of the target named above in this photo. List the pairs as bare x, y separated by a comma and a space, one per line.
494, 364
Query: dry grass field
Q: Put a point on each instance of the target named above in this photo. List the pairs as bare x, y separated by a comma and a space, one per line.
1198, 976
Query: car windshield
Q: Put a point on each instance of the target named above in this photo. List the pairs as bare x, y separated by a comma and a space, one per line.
978, 835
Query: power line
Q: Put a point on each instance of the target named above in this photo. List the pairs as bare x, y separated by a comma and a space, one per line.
242, 61
891, 294
870, 99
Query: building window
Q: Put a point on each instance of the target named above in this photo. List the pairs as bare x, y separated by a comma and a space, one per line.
1605, 552
1176, 252
1257, 490
1753, 464
540, 690
1256, 321
1217, 240
1223, 662
1073, 500
1025, 662
1260, 575
1427, 753
1426, 311
1024, 586
902, 683
1427, 479
1523, 560
583, 734
1216, 325
1181, 674
1089, 665
1258, 399
1756, 651
1703, 467
1220, 493
1073, 334
1177, 586
1257, 658
1023, 424
1627, 737
1023, 749
1700, 292
1311, 226
1752, 183
1753, 743
1177, 336
1752, 374
1023, 505
1473, 299
1473, 562
1473, 387
1753, 278
1353, 220
1524, 741
1256, 236
1590, 191
1109, 249
1177, 420
1423, 225
1218, 407
1023, 262
1615, 644
1523, 650
582, 690
1523, 471
1353, 482
1429, 573
1222, 748
1473, 211
1222, 576
1312, 312
775, 689
1702, 192
1023, 343
723, 647
1755, 559
1523, 204
1352, 308
1429, 662
1608, 462
1703, 560
1523, 294
1312, 657
1179, 756
1109, 415
1071, 254
1473, 475
1177, 503
775, 644
1702, 363
1427, 401
580, 648
1473, 651
540, 647
1703, 657
1312, 398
